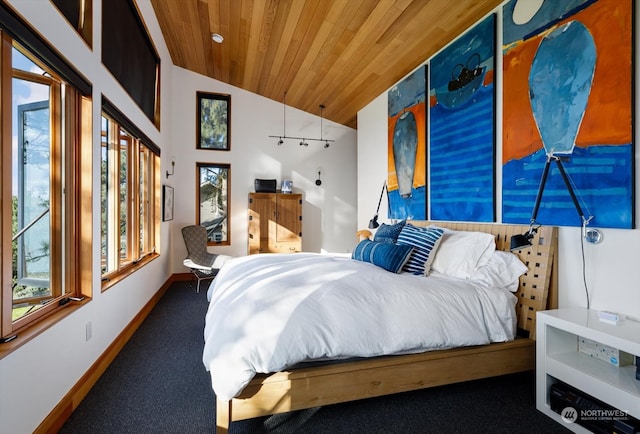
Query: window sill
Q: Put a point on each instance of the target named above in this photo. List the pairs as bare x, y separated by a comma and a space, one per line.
33, 330
28, 333
111, 279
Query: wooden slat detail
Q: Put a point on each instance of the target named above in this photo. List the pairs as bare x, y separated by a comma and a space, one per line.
331, 384
539, 282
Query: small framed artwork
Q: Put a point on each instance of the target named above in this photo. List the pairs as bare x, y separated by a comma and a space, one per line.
212, 187
167, 203
213, 130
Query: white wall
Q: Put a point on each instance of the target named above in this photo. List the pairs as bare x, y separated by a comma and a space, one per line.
328, 210
612, 267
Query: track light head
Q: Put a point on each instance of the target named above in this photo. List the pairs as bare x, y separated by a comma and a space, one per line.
326, 145
280, 142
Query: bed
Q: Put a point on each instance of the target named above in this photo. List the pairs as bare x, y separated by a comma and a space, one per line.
306, 385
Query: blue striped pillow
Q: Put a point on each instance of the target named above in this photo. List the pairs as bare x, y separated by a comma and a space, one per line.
425, 242
391, 257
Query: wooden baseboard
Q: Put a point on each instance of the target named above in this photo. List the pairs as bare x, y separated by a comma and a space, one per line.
61, 412
182, 277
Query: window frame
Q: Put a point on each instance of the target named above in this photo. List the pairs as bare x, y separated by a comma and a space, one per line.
142, 83
70, 191
227, 202
142, 231
79, 14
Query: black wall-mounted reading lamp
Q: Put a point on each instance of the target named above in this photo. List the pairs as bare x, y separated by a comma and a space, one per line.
524, 240
373, 223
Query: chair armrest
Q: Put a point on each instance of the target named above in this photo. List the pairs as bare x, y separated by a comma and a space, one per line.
220, 261
190, 264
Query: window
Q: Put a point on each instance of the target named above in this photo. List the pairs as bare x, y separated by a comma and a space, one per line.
213, 201
129, 195
46, 146
123, 31
79, 14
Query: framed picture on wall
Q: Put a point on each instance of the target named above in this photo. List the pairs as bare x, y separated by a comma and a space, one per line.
592, 127
212, 206
167, 203
213, 130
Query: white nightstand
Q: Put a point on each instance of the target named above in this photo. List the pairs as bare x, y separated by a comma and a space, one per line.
558, 359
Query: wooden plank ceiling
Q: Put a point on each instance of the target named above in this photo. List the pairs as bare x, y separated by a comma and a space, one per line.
340, 53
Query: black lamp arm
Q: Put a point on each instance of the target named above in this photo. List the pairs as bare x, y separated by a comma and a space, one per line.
519, 241
381, 194
543, 181
373, 223
565, 178
571, 193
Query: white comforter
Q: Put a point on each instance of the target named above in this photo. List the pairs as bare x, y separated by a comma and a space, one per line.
271, 311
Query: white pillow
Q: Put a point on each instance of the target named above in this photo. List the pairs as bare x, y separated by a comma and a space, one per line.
503, 270
460, 253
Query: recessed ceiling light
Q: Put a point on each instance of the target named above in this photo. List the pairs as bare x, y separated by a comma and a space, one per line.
217, 37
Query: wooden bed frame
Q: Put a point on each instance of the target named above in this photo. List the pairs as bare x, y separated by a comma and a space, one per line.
333, 383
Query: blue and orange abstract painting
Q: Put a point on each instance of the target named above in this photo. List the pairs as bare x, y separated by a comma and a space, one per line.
462, 157
407, 152
568, 79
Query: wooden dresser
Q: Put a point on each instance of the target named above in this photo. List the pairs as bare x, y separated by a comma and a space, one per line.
275, 223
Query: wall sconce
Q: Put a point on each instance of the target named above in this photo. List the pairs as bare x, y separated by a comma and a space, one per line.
173, 166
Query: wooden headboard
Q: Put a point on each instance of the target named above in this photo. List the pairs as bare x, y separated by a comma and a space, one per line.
538, 286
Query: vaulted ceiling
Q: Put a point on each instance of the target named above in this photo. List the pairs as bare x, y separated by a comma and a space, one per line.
339, 53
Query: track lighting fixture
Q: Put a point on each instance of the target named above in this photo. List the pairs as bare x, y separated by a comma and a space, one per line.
303, 140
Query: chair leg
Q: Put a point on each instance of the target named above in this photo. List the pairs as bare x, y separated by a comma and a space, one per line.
201, 278
193, 275
210, 277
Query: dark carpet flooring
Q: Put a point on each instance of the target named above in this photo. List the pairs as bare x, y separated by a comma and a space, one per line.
158, 384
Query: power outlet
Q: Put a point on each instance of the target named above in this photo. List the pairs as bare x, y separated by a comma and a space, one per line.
88, 331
